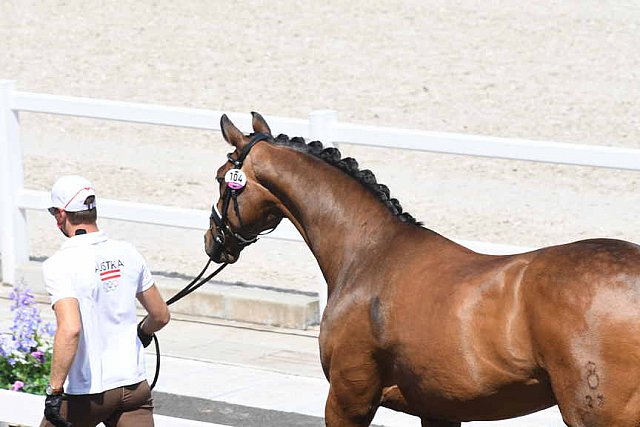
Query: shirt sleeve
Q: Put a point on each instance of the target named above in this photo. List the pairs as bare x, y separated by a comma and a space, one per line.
57, 281
145, 279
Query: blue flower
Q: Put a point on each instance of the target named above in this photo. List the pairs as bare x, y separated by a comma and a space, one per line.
27, 323
7, 345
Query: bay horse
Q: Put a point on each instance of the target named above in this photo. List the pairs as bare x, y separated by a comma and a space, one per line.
420, 324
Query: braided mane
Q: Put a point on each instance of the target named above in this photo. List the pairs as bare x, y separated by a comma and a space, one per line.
349, 165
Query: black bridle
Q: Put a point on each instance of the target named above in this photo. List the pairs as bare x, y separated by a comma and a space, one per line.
222, 226
231, 194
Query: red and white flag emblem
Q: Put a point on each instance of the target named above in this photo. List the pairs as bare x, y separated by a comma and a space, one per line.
110, 275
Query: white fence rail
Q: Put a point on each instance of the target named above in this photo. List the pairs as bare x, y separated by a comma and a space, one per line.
322, 125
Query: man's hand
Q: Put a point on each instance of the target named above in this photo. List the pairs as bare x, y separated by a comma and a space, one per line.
145, 338
52, 406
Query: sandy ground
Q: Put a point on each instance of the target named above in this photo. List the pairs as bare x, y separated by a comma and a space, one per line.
549, 70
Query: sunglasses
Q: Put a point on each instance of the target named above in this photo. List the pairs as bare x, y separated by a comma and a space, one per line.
53, 211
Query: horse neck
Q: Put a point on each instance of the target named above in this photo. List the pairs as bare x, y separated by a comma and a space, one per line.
341, 221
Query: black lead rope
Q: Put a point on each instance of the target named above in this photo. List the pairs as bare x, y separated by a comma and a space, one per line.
221, 225
183, 293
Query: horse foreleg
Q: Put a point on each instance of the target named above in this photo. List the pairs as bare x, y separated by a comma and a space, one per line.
354, 392
339, 413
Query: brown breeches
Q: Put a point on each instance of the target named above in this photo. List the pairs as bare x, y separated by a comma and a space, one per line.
128, 406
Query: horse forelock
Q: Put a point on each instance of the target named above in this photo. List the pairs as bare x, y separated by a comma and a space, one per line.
349, 165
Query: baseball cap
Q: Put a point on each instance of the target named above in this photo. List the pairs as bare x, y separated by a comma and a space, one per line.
69, 193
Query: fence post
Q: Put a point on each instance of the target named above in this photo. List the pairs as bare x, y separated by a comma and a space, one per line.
321, 124
14, 243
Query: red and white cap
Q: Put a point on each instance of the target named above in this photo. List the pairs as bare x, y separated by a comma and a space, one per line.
69, 193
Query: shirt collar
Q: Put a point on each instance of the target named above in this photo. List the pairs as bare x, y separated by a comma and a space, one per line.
85, 239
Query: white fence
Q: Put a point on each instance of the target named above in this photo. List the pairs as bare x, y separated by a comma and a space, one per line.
321, 125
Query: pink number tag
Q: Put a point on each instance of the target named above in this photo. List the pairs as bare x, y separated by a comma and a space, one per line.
235, 179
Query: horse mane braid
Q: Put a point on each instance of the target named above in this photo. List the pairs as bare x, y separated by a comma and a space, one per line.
350, 166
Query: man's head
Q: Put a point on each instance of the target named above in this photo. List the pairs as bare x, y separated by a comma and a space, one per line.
73, 204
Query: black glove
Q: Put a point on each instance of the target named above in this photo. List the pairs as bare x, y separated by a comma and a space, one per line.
52, 406
144, 337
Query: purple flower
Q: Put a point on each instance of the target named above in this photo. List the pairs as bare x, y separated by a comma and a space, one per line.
17, 386
38, 355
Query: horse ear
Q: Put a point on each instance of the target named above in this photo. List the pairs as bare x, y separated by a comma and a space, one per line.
230, 132
259, 124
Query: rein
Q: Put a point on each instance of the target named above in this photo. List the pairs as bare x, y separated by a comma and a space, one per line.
233, 188
192, 286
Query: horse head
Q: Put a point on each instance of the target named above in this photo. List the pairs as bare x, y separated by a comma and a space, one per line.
244, 208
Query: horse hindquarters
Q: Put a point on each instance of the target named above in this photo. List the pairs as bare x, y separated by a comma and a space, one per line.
597, 394
584, 312
596, 388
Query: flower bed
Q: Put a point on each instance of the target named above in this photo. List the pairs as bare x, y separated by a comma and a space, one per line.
25, 350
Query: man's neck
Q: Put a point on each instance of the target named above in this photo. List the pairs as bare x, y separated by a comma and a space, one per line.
75, 230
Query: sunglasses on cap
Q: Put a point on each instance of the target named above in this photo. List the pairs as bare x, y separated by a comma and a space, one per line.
53, 211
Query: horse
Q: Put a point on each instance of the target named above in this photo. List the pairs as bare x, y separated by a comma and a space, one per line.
417, 323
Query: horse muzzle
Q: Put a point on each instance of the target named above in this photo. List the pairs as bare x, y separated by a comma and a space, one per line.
215, 248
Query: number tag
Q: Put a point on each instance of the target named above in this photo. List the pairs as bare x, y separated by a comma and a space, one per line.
235, 179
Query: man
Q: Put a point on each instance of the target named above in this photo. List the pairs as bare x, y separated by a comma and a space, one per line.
97, 371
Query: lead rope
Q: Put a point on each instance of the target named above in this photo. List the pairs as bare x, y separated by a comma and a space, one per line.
178, 296
220, 222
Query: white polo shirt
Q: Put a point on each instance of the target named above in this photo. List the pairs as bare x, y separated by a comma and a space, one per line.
104, 275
